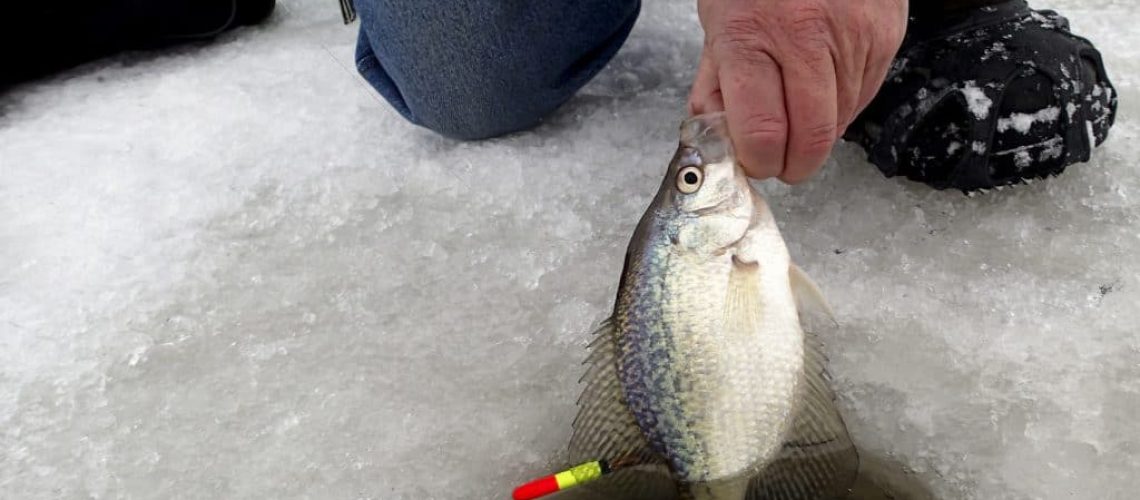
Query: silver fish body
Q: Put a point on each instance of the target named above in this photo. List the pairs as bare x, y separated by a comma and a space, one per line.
704, 367
710, 382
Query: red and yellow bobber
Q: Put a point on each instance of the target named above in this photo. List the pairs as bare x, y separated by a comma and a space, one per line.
574, 476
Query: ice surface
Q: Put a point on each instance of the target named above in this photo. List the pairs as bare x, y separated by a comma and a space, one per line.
232, 272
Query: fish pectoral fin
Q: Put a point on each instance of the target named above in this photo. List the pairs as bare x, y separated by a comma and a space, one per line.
605, 429
742, 306
807, 293
818, 459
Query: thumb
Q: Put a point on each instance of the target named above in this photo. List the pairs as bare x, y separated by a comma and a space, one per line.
705, 96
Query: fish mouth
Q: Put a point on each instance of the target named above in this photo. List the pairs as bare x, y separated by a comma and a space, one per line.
708, 133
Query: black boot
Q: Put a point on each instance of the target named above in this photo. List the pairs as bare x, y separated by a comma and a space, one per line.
38, 38
985, 94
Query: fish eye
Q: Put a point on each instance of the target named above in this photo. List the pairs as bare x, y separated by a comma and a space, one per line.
689, 179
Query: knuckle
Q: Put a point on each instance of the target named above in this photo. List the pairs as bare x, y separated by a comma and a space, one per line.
809, 22
895, 34
818, 139
891, 29
888, 33
764, 129
743, 34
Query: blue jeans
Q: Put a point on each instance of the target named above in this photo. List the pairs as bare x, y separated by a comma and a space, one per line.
474, 69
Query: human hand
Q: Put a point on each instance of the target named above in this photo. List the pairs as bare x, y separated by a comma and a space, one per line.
791, 75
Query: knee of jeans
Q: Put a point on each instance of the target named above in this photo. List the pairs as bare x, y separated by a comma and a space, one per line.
465, 75
468, 103
474, 111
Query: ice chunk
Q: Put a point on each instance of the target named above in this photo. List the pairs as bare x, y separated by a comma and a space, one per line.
1052, 151
998, 48
1022, 122
977, 100
1022, 159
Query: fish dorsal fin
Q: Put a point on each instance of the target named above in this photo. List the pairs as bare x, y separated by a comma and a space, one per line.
605, 429
818, 459
808, 295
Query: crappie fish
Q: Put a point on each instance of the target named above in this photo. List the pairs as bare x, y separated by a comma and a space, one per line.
703, 383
